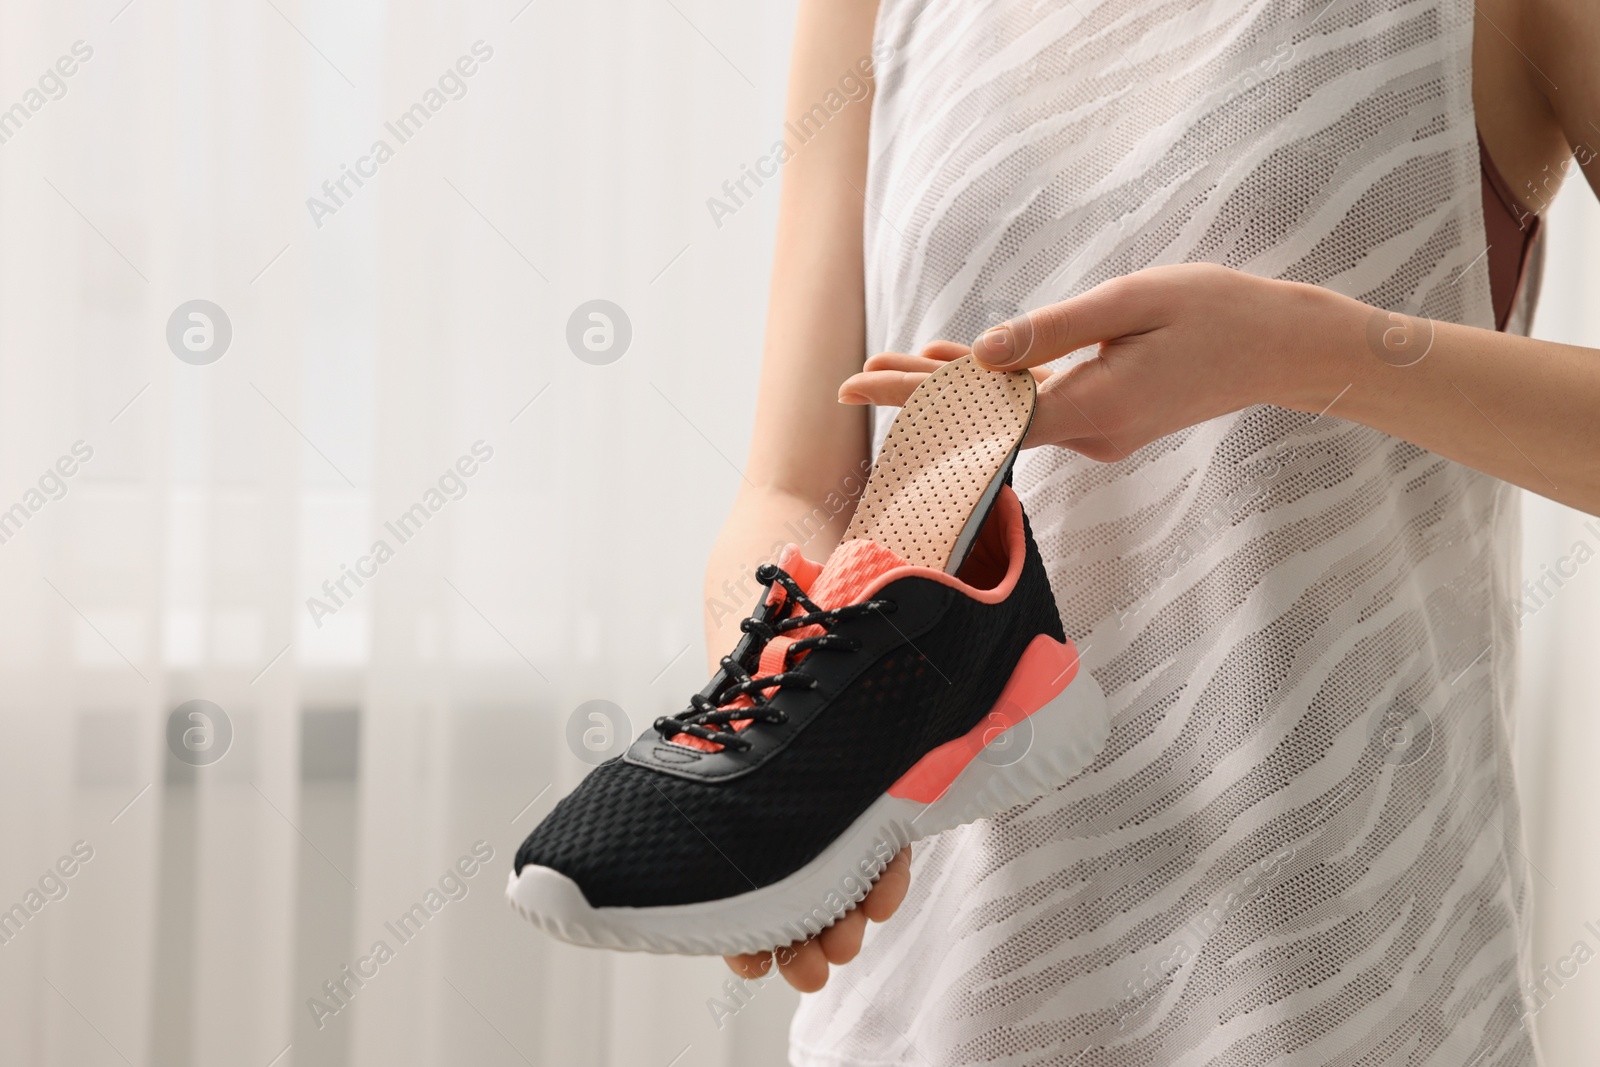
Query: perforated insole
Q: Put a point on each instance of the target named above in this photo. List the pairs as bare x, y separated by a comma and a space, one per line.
942, 462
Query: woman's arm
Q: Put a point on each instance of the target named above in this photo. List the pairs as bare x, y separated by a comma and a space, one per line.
1182, 344
805, 446
808, 455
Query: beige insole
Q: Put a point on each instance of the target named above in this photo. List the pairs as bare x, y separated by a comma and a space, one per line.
942, 461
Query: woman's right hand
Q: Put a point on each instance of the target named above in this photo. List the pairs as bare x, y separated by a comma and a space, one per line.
810, 451
805, 964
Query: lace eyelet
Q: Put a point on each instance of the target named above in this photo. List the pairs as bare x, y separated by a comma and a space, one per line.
711, 718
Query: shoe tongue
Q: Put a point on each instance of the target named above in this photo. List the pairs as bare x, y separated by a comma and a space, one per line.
852, 569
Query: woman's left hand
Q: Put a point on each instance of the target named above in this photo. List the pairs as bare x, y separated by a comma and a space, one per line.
1178, 345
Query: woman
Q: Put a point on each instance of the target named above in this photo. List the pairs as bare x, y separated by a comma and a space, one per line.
1268, 262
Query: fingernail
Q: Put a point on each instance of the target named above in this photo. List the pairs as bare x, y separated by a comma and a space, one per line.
853, 398
996, 347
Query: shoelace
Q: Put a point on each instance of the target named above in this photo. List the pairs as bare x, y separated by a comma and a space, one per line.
710, 718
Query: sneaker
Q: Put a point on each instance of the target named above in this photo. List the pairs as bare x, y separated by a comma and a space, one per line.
917, 681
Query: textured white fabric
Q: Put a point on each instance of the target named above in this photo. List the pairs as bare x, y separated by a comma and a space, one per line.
1301, 845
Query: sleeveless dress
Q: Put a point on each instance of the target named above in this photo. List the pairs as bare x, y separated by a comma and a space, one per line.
1302, 843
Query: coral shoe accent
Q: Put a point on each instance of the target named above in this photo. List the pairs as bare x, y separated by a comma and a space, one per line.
1045, 669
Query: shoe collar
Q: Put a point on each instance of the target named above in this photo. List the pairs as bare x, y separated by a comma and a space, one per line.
859, 568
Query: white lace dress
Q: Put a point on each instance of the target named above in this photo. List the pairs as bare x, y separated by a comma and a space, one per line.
1302, 843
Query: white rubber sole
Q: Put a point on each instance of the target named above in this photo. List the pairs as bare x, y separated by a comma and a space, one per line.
1045, 750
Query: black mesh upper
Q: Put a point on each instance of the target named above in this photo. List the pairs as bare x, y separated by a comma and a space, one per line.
633, 836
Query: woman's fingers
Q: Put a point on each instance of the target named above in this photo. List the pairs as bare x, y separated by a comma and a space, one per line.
901, 361
805, 968
1067, 407
805, 964
1177, 345
888, 378
1079, 408
933, 356
889, 384
945, 351
841, 941
750, 965
890, 890
1121, 307
886, 388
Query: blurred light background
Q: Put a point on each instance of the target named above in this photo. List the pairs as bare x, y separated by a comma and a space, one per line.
441, 705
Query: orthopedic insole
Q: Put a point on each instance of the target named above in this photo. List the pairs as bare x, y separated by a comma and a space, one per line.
943, 462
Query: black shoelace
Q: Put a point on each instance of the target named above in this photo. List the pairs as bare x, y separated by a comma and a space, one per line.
709, 718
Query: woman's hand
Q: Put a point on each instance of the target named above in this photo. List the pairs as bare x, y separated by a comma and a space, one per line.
1177, 345
804, 964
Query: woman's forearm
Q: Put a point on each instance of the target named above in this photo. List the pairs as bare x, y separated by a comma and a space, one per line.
816, 311
1181, 344
1523, 410
807, 451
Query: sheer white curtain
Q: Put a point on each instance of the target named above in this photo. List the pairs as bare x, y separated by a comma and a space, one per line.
407, 327
385, 339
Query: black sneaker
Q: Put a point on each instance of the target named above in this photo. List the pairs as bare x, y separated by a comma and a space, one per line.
918, 681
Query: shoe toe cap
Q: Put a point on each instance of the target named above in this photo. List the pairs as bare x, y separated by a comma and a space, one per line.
625, 843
